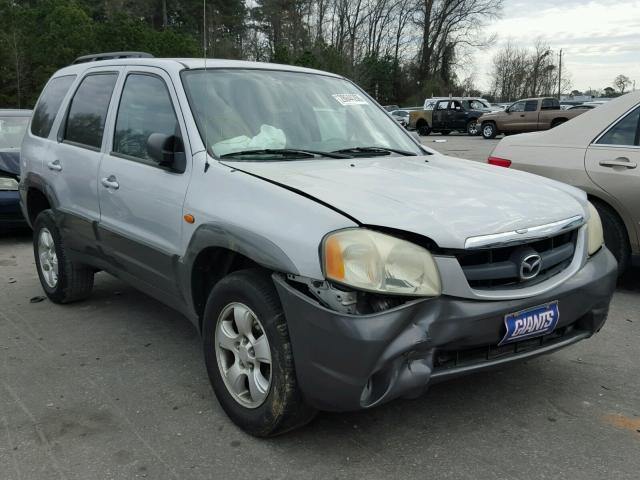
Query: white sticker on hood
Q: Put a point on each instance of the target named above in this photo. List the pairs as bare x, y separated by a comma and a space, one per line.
349, 99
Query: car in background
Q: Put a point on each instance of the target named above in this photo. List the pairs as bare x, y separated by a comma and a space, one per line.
13, 125
526, 115
580, 107
391, 108
447, 115
598, 152
401, 116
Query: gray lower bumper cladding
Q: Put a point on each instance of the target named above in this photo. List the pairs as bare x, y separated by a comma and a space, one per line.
349, 362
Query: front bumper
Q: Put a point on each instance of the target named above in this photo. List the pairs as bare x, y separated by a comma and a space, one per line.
349, 362
10, 212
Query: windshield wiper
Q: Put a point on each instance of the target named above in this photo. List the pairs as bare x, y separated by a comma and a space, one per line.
374, 150
285, 152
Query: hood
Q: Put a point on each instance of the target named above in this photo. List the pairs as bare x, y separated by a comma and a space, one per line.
443, 198
10, 163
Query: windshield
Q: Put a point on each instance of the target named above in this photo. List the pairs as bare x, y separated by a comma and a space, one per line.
240, 109
12, 131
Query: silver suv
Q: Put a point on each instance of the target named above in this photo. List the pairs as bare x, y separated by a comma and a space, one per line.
329, 261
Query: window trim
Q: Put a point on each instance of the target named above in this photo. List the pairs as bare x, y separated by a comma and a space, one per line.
131, 158
594, 142
62, 103
62, 129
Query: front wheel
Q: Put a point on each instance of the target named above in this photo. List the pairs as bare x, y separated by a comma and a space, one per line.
62, 279
489, 130
249, 357
472, 128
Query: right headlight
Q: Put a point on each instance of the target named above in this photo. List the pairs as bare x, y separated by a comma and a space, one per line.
372, 261
594, 230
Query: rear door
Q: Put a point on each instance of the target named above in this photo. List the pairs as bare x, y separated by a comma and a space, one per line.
141, 202
613, 163
441, 115
74, 161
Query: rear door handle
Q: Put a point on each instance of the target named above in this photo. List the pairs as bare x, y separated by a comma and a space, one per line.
619, 162
110, 182
55, 166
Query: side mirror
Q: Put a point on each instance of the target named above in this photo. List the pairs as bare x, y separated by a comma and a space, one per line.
167, 151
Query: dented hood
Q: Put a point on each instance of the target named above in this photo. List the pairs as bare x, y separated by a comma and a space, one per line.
443, 198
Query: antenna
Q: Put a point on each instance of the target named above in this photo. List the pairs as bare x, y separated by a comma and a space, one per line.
204, 53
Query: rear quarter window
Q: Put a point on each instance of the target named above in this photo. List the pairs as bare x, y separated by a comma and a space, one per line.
49, 104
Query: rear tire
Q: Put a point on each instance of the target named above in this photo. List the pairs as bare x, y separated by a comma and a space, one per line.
489, 130
423, 129
616, 237
555, 123
277, 406
62, 280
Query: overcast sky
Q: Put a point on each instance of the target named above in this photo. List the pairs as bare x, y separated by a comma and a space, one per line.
600, 38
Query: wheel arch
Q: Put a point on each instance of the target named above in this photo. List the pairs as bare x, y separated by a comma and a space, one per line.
38, 197
628, 226
216, 250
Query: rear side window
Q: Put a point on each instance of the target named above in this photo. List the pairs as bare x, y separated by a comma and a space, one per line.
49, 104
550, 104
88, 110
145, 108
531, 106
625, 132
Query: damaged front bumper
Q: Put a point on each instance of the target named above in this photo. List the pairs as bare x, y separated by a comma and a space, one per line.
349, 362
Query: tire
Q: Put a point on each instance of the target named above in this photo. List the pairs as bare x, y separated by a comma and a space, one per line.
278, 407
472, 128
72, 281
445, 132
423, 129
616, 237
489, 130
555, 123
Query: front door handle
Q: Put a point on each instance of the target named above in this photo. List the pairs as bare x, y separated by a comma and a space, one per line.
619, 162
110, 182
55, 166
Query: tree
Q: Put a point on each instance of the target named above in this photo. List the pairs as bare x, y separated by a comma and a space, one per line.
621, 82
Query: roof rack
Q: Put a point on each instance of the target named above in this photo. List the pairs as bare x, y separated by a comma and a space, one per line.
94, 57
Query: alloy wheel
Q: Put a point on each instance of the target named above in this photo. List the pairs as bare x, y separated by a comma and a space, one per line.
48, 258
243, 355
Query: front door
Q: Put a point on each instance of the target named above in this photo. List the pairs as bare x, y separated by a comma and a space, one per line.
441, 115
141, 202
613, 163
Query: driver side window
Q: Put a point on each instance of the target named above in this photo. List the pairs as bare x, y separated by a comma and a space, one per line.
145, 108
517, 107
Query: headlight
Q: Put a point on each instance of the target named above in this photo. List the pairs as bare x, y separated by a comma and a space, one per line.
368, 260
594, 230
8, 184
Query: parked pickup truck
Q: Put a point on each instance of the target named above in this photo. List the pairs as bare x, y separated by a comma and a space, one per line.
447, 115
526, 115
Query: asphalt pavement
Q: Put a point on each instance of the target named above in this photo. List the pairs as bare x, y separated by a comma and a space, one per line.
115, 388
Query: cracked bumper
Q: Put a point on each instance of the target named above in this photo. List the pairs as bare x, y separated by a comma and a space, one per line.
349, 362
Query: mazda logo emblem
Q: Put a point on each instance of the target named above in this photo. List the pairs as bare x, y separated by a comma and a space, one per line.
530, 266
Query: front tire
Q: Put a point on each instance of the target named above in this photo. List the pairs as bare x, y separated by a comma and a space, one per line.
472, 128
616, 237
489, 130
249, 357
63, 280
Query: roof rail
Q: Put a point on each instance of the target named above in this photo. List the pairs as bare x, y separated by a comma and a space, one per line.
94, 57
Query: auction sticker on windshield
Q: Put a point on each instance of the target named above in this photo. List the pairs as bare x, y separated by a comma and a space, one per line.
349, 99
532, 322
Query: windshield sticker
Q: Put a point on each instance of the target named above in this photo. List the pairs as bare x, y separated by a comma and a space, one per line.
349, 99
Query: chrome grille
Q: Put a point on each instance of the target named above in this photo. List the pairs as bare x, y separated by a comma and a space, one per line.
490, 268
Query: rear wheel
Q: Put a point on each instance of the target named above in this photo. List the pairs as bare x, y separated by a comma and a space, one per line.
62, 279
249, 358
616, 237
423, 129
489, 130
555, 123
472, 128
